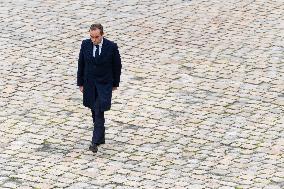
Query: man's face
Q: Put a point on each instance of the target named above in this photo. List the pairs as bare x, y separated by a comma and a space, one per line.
96, 36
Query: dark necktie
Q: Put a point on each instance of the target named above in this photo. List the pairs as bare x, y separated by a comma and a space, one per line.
97, 51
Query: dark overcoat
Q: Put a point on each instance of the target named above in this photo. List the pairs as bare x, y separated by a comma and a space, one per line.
101, 73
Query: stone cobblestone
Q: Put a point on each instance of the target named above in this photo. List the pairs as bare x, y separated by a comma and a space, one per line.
200, 104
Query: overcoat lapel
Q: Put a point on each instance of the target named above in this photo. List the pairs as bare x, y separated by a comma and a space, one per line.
90, 48
104, 48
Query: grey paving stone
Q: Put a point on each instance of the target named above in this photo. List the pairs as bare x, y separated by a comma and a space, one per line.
200, 103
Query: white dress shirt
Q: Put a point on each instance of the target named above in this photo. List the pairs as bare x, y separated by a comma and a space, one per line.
100, 48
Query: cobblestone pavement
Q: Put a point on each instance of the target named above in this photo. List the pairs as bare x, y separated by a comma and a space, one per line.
200, 105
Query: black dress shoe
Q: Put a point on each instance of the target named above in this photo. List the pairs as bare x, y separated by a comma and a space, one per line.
93, 148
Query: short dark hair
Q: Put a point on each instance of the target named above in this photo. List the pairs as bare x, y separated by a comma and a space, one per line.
97, 26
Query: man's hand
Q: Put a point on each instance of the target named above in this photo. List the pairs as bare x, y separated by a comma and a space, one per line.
114, 88
81, 88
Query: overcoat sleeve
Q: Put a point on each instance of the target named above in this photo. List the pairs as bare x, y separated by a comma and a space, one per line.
81, 65
116, 67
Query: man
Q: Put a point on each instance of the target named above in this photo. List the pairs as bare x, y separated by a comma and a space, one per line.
99, 69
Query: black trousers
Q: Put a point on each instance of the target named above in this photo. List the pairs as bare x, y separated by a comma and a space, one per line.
99, 123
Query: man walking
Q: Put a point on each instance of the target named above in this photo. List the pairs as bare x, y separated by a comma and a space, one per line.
99, 69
